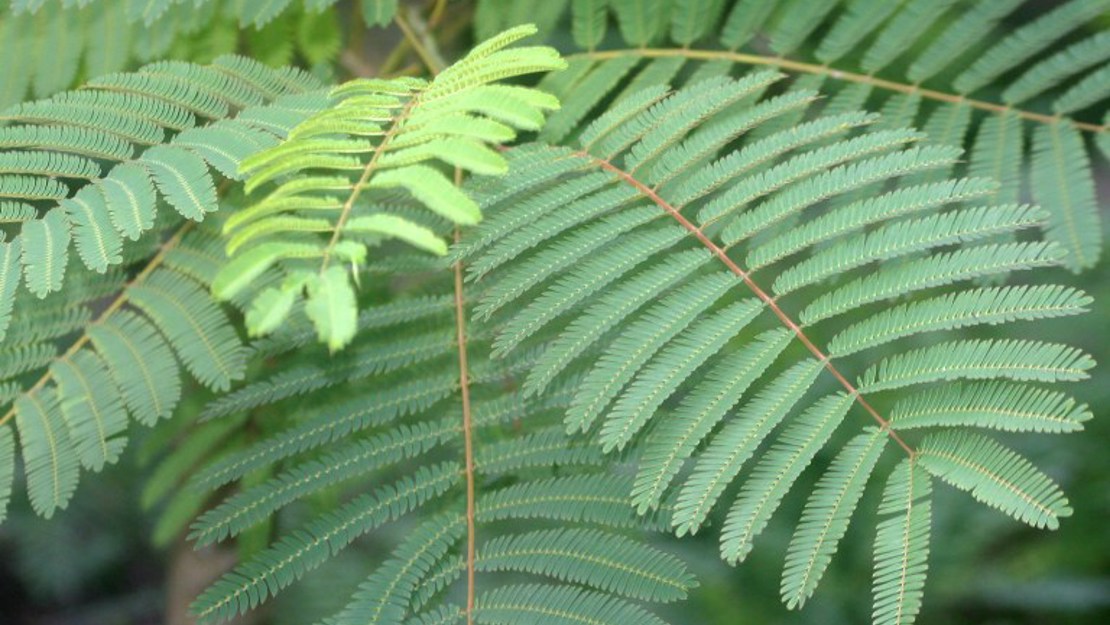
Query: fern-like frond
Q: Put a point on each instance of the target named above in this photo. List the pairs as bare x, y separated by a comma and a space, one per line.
62, 42
368, 168
108, 345
609, 562
1061, 179
994, 475
825, 518
50, 460
558, 605
622, 266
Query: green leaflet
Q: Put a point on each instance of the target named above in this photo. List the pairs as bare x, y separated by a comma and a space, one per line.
92, 408
676, 439
269, 310
996, 405
825, 518
10, 277
98, 243
141, 364
902, 545
391, 226
183, 179
1062, 183
593, 558
130, 197
996, 476
242, 271
45, 244
978, 359
553, 605
588, 26
194, 326
49, 459
332, 308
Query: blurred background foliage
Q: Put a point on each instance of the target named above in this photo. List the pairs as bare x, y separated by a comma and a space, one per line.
135, 567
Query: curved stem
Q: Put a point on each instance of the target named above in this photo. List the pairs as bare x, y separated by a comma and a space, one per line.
824, 70
720, 253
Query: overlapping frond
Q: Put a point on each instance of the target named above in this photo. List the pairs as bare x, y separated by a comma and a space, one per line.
980, 74
88, 167
713, 282
370, 167
396, 443
678, 265
78, 363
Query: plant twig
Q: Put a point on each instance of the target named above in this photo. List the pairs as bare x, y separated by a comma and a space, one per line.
423, 45
437, 13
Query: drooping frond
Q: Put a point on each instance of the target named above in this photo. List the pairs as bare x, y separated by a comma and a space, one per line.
370, 168
679, 263
978, 74
79, 363
126, 360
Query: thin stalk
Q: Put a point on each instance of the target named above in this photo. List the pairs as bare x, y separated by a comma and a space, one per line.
464, 386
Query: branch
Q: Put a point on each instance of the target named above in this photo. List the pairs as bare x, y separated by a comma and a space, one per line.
464, 386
